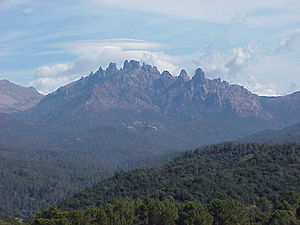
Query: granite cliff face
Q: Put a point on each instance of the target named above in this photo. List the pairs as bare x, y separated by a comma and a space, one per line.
139, 89
15, 98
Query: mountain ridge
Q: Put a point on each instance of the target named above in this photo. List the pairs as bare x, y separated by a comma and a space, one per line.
290, 134
136, 87
16, 98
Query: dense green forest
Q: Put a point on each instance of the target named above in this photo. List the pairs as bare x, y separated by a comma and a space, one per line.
147, 211
32, 180
253, 174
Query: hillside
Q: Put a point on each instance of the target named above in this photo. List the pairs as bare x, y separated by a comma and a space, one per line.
250, 173
15, 98
289, 134
32, 180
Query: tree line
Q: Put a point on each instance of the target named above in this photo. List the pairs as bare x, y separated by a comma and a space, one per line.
148, 211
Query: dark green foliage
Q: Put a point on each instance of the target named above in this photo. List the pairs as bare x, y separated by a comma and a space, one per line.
155, 212
227, 212
194, 213
255, 174
148, 211
283, 217
32, 180
120, 212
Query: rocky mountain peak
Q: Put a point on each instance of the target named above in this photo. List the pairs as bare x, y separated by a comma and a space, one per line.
199, 76
150, 69
131, 65
100, 72
166, 74
183, 76
112, 68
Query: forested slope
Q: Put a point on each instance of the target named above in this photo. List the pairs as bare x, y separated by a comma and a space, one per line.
251, 173
32, 180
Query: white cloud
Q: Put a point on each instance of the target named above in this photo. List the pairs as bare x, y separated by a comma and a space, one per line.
247, 65
46, 85
87, 46
95, 53
50, 78
53, 70
242, 57
229, 66
261, 89
260, 71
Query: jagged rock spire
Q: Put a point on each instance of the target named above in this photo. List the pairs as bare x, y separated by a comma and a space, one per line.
166, 73
112, 68
132, 64
183, 76
199, 75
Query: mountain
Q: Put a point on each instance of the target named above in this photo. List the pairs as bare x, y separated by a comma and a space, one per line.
176, 112
125, 118
244, 172
15, 98
137, 92
289, 134
283, 108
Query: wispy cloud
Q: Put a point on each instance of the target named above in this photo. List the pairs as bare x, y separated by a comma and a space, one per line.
246, 65
219, 11
94, 53
289, 42
253, 43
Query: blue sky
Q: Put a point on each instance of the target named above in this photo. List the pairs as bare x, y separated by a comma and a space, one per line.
256, 44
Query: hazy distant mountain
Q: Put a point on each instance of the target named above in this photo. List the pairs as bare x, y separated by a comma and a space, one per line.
284, 108
14, 98
289, 134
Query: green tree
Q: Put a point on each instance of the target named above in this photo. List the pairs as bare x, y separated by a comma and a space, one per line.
283, 217
51, 216
227, 212
121, 212
194, 213
97, 216
158, 212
